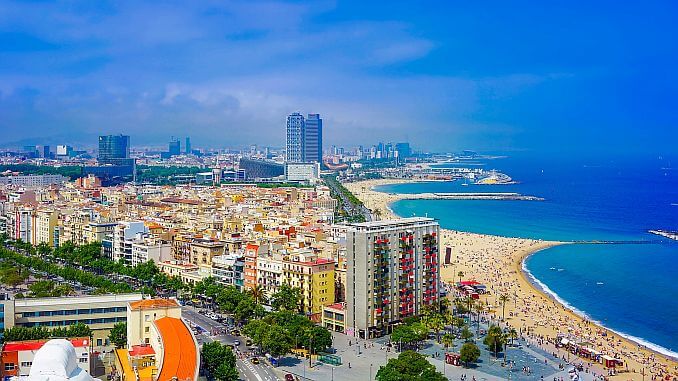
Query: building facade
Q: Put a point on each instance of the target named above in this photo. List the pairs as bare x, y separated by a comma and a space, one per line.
313, 139
112, 148
392, 273
295, 138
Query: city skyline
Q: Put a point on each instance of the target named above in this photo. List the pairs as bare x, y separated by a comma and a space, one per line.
400, 73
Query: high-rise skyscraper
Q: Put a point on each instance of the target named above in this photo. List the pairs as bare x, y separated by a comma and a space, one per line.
174, 147
313, 139
295, 138
112, 148
392, 273
188, 146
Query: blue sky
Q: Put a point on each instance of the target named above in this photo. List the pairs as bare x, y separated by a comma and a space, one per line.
564, 76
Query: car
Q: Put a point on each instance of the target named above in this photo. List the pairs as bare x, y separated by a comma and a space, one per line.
254, 360
235, 332
248, 342
289, 377
236, 343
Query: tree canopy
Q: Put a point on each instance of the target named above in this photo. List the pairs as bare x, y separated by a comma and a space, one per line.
409, 366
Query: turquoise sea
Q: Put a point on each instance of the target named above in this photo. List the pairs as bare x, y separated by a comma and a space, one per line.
629, 288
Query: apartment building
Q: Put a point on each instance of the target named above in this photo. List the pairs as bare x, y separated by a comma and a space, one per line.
202, 251
229, 270
270, 273
315, 277
392, 273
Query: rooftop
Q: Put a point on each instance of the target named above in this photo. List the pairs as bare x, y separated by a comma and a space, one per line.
18, 346
153, 303
399, 223
180, 357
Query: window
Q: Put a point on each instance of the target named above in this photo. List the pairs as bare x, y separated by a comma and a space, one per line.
83, 359
9, 366
147, 329
25, 364
147, 317
99, 342
146, 340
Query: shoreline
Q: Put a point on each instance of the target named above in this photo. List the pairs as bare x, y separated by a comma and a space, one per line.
539, 312
552, 295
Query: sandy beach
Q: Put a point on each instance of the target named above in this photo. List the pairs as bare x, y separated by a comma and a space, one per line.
497, 262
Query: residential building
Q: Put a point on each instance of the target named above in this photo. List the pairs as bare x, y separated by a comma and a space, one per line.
313, 139
270, 273
295, 138
315, 277
229, 270
202, 251
251, 254
46, 221
392, 273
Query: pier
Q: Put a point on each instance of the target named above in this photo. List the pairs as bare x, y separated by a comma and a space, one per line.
469, 196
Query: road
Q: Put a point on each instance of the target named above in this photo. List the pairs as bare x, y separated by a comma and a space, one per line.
247, 370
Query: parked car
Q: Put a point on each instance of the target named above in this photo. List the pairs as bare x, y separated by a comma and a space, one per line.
236, 343
289, 377
248, 342
255, 360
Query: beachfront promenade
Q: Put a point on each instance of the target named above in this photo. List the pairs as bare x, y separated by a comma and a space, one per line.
497, 262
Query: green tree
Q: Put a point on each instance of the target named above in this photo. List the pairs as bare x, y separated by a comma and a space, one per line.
319, 339
118, 335
447, 340
460, 275
466, 334
469, 353
434, 321
229, 298
409, 366
287, 298
219, 361
494, 340
277, 342
226, 373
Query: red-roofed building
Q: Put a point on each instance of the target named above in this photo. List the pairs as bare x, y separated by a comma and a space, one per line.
17, 356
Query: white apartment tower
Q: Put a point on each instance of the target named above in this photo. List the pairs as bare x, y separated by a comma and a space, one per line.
392, 273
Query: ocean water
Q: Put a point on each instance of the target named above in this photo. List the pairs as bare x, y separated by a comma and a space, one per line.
628, 288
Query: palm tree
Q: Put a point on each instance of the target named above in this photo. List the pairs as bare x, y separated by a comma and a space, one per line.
447, 340
460, 274
257, 293
503, 298
470, 303
377, 214
512, 334
479, 309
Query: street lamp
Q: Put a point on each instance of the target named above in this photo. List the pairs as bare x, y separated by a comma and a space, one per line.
370, 372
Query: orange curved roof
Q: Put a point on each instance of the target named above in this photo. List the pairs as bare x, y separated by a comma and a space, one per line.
180, 353
153, 303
